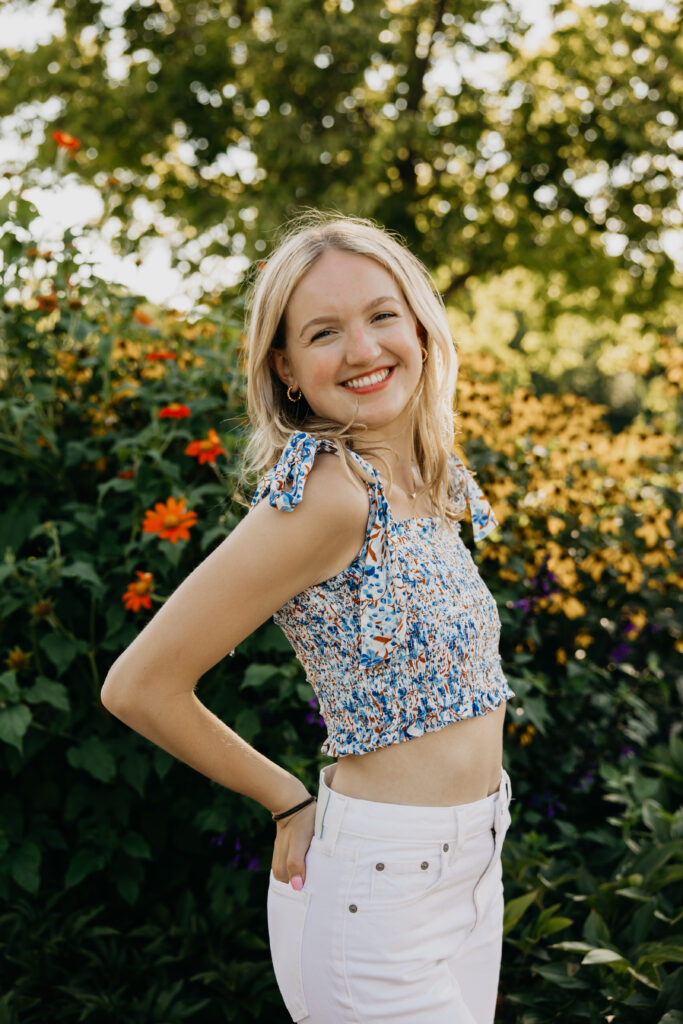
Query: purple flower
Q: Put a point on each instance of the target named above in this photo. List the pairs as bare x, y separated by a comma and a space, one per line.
253, 864
586, 780
218, 840
620, 652
524, 603
627, 752
654, 628
628, 628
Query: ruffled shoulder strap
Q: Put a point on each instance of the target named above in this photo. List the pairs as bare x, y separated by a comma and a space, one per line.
464, 486
382, 597
283, 484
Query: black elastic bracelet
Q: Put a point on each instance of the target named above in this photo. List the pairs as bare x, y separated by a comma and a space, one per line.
293, 810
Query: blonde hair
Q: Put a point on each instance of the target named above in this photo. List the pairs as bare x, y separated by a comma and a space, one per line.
274, 417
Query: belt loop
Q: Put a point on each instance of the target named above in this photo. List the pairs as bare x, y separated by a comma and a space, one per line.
459, 834
328, 815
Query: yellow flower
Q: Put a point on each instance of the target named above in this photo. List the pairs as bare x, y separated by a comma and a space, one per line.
555, 525
561, 656
583, 639
567, 604
17, 659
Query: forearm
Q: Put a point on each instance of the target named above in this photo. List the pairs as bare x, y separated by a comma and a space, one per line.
184, 727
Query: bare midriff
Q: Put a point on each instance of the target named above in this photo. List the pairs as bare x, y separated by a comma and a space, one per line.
458, 764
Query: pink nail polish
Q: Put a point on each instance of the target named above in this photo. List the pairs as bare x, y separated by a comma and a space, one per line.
297, 882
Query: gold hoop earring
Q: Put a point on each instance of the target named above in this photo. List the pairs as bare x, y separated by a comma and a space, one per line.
290, 397
424, 354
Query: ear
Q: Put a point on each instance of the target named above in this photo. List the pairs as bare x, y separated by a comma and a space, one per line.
278, 361
421, 333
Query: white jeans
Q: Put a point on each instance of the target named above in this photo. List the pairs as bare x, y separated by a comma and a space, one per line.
400, 919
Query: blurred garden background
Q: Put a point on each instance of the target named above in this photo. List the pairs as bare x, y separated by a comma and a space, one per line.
531, 154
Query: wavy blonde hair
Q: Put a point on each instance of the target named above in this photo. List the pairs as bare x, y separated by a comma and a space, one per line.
274, 417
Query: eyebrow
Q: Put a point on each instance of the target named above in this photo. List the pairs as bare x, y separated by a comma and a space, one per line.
328, 317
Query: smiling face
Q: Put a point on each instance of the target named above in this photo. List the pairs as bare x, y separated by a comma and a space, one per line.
347, 319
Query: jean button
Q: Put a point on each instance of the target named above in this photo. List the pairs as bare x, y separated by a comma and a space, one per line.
379, 867
445, 847
424, 865
353, 908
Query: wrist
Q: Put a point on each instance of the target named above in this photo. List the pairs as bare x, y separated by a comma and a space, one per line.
288, 797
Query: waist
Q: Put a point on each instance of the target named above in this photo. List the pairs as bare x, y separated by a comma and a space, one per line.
377, 820
456, 764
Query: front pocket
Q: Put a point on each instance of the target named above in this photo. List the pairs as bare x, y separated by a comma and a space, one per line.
399, 881
287, 911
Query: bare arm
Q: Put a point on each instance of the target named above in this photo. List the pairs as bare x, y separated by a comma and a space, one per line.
267, 559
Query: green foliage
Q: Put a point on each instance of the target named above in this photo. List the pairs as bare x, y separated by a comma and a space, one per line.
133, 889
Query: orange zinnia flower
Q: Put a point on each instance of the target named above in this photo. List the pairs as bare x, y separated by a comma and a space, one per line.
143, 318
66, 141
174, 411
171, 521
137, 595
154, 356
208, 449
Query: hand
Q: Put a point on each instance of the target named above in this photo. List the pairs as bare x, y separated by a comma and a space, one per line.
292, 841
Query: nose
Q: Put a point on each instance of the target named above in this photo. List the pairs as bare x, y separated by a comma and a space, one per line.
362, 347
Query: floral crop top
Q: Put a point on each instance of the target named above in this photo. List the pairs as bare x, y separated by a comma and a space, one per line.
404, 640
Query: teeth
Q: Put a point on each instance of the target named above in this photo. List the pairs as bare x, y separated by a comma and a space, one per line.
364, 382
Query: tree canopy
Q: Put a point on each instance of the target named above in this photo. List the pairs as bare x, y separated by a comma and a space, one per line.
229, 117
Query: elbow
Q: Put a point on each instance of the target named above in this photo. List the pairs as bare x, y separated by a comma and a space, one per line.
113, 693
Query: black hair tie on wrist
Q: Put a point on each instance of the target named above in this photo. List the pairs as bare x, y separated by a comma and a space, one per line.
293, 810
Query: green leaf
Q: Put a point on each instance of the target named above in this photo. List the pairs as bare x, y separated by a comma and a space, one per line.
602, 956
162, 761
557, 974
135, 769
84, 862
9, 690
595, 930
25, 866
45, 691
662, 953
516, 908
14, 721
552, 925
257, 675
61, 650
247, 724
570, 946
93, 757
85, 574
136, 845
128, 889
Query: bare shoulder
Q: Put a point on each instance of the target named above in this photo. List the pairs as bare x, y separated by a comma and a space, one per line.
269, 557
330, 521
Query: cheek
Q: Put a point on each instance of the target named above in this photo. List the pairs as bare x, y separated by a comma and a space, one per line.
323, 369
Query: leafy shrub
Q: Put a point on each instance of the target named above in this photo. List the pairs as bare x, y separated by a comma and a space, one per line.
132, 888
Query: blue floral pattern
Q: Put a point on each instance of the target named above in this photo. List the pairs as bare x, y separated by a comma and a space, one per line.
405, 639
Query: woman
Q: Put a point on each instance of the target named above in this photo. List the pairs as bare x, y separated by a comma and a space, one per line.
385, 899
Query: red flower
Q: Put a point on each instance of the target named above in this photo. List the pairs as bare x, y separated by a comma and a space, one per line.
137, 595
126, 474
174, 411
153, 356
171, 521
48, 302
206, 450
66, 141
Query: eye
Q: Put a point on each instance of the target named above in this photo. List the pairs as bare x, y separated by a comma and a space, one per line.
321, 334
384, 314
